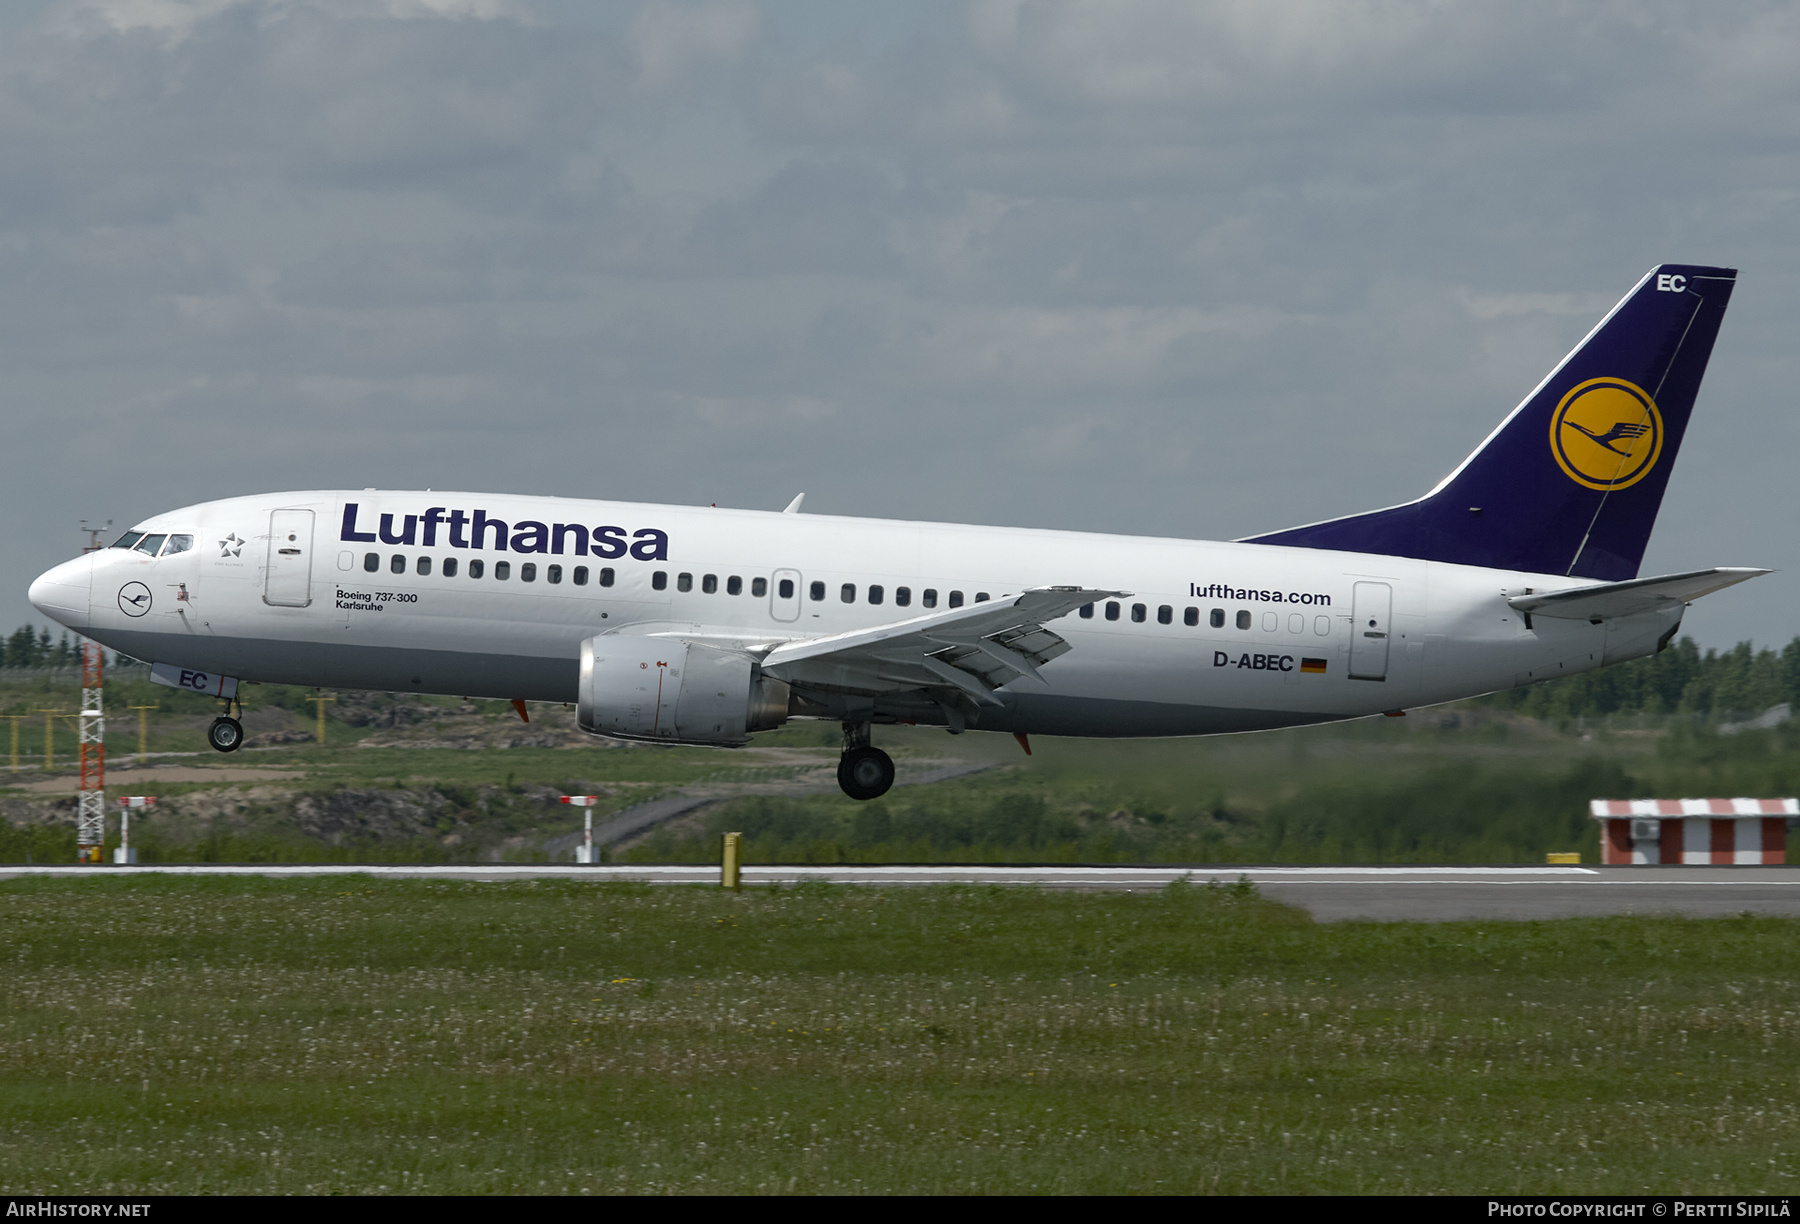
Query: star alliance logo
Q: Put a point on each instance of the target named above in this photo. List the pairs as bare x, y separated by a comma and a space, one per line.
231, 546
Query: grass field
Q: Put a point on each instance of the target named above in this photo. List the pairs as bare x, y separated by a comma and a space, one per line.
342, 1035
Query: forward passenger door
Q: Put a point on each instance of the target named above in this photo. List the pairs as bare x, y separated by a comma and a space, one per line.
287, 577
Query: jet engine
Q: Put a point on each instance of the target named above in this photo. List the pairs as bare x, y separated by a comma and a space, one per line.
675, 692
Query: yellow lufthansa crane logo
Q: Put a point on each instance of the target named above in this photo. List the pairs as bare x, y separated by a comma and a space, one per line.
1606, 434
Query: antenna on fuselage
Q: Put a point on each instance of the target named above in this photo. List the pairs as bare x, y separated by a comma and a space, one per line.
793, 507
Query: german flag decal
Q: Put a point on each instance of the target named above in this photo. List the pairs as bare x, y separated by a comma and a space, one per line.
1317, 666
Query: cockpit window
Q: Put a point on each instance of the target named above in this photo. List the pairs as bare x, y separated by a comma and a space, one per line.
151, 544
128, 539
177, 544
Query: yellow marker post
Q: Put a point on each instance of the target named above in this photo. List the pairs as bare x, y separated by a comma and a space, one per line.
1564, 860
728, 866
143, 732
49, 737
14, 719
319, 704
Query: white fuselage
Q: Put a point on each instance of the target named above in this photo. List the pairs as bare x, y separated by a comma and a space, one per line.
1232, 637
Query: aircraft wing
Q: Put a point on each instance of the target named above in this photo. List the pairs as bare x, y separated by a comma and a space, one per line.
974, 649
1614, 599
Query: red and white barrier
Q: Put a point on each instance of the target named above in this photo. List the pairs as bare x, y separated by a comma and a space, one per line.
1693, 831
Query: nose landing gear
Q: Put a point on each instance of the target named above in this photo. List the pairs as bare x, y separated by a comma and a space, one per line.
864, 771
225, 734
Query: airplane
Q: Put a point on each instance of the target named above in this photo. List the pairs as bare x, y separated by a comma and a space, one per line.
700, 625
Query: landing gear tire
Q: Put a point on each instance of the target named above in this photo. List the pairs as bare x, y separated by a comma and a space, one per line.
866, 773
225, 734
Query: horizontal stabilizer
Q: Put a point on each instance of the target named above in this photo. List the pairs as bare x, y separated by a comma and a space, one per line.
1615, 599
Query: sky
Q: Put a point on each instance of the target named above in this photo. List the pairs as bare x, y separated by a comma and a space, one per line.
1168, 268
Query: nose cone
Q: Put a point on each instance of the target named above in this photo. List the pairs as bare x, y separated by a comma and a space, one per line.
63, 593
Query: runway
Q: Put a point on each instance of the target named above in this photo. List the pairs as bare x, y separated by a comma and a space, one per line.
1329, 894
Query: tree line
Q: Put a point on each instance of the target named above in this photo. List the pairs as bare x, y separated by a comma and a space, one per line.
31, 647
1715, 684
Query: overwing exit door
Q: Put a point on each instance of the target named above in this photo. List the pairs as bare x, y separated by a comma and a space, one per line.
784, 595
287, 579
1372, 606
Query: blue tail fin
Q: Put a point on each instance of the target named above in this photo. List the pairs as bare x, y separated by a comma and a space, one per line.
1569, 483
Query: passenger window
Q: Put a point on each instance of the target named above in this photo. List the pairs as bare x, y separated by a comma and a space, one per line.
816, 592
1216, 618
423, 566
477, 567
128, 539
956, 600
1087, 611
177, 544
903, 597
1137, 613
396, 564
876, 594
848, 593
1243, 618
785, 590
1112, 611
710, 584
1296, 623
449, 567
1322, 626
606, 578
1270, 622
684, 582
150, 545
734, 585
372, 563
760, 587
553, 575
1165, 615
1191, 617
981, 596
528, 571
659, 580
580, 575
502, 570
929, 598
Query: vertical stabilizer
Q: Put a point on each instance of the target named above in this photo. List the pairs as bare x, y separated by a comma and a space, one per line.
1570, 483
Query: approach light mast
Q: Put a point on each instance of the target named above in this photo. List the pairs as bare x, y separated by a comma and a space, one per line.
90, 802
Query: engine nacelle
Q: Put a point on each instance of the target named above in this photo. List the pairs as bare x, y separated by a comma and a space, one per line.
675, 692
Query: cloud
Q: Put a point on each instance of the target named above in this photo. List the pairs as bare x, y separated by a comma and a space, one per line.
1144, 266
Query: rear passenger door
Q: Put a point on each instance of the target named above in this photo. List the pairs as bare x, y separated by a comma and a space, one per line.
1372, 608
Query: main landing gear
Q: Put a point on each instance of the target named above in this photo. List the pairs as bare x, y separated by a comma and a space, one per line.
864, 771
